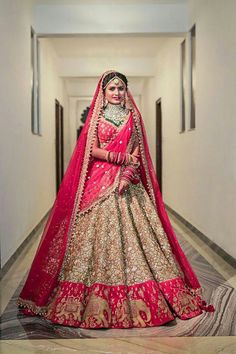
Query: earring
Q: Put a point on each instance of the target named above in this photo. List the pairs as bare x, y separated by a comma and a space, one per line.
124, 102
105, 102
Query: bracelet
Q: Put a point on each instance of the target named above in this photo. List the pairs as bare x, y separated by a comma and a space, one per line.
121, 158
128, 173
126, 179
107, 156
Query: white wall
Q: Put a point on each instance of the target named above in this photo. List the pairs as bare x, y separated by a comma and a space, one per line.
215, 146
88, 66
148, 113
199, 166
52, 87
109, 16
27, 183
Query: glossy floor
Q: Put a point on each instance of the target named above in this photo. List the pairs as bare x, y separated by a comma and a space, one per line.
208, 333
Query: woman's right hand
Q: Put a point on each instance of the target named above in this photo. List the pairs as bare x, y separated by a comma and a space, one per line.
135, 159
123, 186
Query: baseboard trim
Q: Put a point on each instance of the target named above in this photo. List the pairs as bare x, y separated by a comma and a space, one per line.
227, 257
217, 249
33, 234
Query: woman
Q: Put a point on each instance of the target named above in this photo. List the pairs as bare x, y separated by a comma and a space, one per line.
108, 256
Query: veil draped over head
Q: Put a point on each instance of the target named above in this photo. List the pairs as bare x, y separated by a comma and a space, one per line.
43, 276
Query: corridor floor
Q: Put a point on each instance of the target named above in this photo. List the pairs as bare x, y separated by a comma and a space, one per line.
209, 333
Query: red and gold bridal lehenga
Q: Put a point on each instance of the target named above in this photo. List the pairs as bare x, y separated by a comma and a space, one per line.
110, 260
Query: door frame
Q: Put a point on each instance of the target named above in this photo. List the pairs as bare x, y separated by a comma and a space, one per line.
159, 142
59, 143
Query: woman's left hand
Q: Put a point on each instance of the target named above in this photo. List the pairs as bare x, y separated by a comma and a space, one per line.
123, 185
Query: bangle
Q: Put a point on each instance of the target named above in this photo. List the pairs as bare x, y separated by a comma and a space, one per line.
119, 158
125, 178
126, 160
107, 156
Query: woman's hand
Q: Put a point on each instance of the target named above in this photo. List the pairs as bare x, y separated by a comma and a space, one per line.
135, 158
123, 185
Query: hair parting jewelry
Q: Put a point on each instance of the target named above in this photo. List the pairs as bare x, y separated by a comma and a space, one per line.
114, 75
116, 79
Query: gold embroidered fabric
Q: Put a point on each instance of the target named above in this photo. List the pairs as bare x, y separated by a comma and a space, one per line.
101, 306
119, 241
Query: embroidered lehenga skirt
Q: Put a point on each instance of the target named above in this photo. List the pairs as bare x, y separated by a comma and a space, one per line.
119, 270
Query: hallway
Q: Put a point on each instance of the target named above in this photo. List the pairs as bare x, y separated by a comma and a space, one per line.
206, 334
213, 331
179, 57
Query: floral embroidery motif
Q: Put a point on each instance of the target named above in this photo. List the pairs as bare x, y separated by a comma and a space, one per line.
119, 272
119, 241
98, 310
102, 306
118, 269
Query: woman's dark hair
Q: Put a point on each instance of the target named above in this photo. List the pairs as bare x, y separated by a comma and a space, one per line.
110, 76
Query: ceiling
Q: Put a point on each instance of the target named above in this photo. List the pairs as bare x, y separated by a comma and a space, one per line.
107, 46
103, 2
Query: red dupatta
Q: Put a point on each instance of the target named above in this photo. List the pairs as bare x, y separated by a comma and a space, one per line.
72, 198
102, 176
150, 182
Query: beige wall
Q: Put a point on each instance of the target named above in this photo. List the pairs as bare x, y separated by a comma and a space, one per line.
148, 113
52, 87
27, 181
215, 146
199, 166
199, 173
110, 16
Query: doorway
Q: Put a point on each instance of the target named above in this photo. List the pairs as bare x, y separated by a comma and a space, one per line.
59, 126
159, 143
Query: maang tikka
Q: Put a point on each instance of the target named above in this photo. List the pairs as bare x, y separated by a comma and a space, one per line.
116, 80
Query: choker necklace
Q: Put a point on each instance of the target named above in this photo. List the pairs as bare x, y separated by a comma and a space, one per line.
115, 113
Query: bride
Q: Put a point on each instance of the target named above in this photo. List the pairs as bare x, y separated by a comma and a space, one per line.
108, 256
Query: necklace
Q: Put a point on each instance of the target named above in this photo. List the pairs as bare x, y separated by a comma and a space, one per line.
115, 113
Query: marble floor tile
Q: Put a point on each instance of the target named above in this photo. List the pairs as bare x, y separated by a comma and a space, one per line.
151, 345
217, 279
17, 271
224, 268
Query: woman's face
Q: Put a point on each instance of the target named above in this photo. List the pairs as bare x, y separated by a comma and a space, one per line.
115, 91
